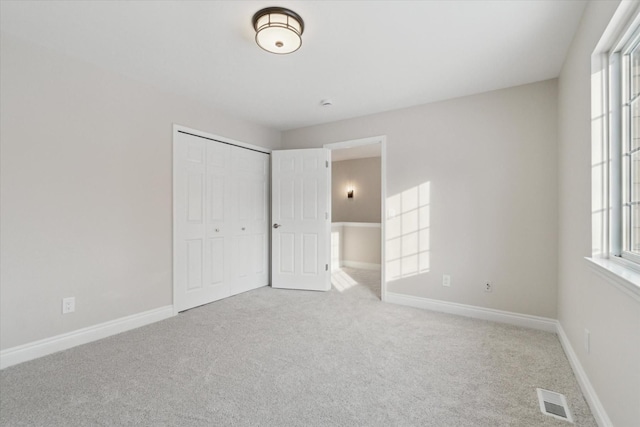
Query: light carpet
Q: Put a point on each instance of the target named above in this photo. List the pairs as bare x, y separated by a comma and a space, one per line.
293, 358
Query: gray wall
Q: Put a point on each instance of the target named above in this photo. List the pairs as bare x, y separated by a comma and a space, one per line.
491, 163
86, 190
585, 299
364, 175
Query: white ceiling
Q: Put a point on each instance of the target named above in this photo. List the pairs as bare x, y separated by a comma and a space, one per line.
366, 56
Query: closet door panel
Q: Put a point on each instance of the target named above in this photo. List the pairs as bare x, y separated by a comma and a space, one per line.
252, 224
217, 258
194, 263
192, 269
218, 213
221, 221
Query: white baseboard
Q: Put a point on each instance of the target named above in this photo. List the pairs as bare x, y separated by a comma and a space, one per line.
587, 389
361, 265
33, 350
525, 320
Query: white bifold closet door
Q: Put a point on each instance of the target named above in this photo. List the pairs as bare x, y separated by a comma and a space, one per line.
221, 235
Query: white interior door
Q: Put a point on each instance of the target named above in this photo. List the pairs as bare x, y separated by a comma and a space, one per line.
300, 190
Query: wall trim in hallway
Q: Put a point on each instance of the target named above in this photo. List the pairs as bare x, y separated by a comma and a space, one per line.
362, 265
356, 224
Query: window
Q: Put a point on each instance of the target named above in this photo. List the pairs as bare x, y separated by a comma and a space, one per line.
625, 148
615, 152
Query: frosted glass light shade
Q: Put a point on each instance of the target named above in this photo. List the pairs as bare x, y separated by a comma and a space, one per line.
278, 30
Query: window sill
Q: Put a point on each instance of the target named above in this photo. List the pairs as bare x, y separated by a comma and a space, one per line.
626, 279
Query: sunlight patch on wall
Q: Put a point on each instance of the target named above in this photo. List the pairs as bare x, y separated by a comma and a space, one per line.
407, 232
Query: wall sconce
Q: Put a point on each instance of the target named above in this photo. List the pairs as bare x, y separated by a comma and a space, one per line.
350, 192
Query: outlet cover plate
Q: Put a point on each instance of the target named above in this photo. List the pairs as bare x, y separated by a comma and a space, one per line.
68, 305
446, 280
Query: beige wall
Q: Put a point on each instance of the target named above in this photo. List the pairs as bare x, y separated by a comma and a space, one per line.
585, 300
355, 245
364, 175
361, 244
491, 163
86, 190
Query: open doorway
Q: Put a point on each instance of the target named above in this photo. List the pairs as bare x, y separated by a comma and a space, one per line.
357, 212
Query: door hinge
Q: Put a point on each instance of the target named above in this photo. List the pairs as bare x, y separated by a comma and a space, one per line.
326, 163
326, 267
326, 215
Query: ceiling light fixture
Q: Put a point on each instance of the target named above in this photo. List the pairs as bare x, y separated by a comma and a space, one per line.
278, 30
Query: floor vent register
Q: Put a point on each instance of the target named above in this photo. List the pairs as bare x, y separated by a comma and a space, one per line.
554, 404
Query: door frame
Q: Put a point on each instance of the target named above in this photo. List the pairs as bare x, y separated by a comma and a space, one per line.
174, 206
382, 140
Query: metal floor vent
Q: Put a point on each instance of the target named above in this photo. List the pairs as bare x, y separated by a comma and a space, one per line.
554, 404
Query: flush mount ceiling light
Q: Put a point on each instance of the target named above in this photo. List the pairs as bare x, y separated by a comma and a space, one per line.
278, 30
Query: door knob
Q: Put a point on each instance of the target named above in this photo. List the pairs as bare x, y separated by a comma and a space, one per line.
276, 225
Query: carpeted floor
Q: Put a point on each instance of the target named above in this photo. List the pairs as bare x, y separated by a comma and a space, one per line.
294, 358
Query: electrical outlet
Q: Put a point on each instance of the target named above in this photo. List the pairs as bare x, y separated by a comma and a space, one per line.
587, 341
446, 280
68, 305
488, 287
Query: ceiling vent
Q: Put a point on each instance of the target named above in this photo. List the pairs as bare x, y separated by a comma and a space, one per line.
554, 404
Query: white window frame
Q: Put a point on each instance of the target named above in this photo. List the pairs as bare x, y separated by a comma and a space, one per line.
609, 260
619, 134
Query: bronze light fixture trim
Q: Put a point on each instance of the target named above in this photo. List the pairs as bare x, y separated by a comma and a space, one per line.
278, 30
